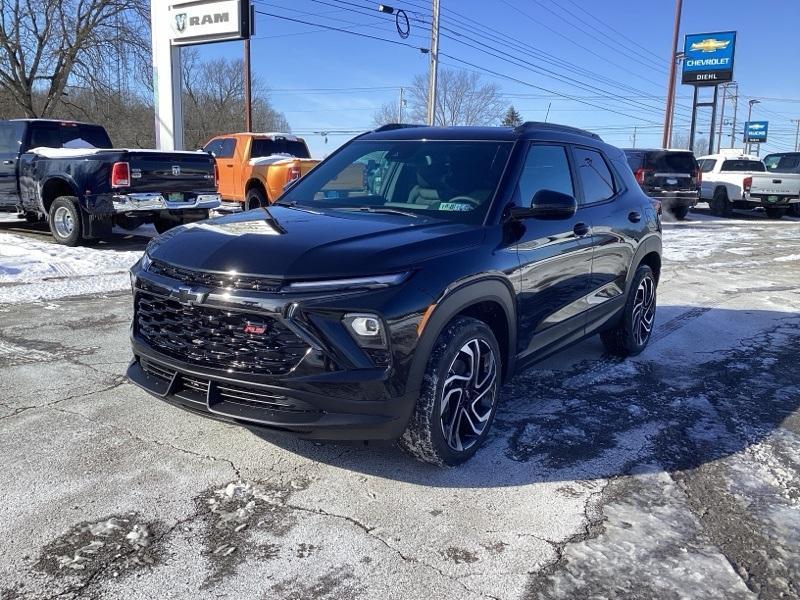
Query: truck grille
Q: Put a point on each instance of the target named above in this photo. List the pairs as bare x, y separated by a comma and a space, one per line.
215, 280
215, 338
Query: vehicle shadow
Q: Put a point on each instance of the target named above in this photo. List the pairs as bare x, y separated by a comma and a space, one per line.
712, 383
120, 240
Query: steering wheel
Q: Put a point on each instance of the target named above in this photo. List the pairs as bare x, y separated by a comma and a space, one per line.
467, 199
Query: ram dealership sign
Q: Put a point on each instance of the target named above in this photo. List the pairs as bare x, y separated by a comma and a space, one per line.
755, 132
203, 21
708, 58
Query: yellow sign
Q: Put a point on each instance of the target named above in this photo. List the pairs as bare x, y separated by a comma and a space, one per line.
710, 45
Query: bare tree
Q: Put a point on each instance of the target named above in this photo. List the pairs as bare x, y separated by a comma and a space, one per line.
214, 100
387, 113
48, 44
462, 98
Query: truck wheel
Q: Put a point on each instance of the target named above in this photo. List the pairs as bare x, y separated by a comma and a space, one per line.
459, 394
720, 206
65, 220
774, 212
680, 212
794, 209
631, 335
163, 225
255, 199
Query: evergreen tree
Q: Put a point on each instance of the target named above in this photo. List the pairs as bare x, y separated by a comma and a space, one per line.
512, 118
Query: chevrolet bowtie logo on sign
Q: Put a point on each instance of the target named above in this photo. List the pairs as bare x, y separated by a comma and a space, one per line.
708, 58
202, 21
710, 45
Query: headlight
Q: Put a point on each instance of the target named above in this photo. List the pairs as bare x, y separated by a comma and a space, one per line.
145, 262
369, 283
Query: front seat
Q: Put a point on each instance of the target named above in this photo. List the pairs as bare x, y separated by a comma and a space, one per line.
429, 182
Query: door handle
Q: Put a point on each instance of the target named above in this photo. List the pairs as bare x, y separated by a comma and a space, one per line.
580, 229
634, 217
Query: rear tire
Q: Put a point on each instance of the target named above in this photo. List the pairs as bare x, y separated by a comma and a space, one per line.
255, 199
680, 212
163, 225
720, 206
64, 218
458, 397
632, 334
775, 213
794, 209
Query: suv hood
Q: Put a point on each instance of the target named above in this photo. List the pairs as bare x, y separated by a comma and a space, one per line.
290, 243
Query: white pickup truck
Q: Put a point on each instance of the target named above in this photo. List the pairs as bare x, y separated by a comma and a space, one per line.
732, 179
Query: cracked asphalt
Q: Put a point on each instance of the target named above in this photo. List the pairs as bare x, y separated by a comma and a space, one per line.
672, 475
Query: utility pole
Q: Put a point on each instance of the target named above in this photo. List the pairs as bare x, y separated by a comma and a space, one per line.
724, 87
671, 84
634, 136
434, 65
400, 107
735, 110
248, 89
797, 135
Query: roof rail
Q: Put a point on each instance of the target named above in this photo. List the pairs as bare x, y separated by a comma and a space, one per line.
393, 126
528, 125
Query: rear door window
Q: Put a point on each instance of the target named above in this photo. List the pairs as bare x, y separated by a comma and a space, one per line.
595, 176
707, 165
546, 168
740, 164
671, 162
783, 163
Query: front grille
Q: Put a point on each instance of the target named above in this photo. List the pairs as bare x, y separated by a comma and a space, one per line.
215, 280
215, 338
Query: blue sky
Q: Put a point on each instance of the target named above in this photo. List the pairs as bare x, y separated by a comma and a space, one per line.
331, 81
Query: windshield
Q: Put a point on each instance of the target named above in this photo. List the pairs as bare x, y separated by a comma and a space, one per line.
267, 147
453, 180
743, 165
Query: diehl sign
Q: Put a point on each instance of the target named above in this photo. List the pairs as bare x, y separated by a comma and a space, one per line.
708, 58
755, 132
204, 21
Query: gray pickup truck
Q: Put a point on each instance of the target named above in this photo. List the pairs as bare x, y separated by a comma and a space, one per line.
69, 174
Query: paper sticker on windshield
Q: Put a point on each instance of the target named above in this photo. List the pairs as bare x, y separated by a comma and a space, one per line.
455, 206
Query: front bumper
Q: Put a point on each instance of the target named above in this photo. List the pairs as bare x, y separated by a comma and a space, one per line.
149, 202
333, 390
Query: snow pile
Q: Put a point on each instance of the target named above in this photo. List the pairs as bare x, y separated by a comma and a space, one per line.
34, 270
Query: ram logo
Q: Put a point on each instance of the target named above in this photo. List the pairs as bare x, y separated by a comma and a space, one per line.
180, 22
176, 170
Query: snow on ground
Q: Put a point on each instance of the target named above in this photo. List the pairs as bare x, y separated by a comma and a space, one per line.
32, 269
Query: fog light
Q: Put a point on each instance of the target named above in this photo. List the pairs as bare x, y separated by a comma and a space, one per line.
367, 330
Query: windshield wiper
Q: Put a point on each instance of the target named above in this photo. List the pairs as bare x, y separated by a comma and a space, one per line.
379, 210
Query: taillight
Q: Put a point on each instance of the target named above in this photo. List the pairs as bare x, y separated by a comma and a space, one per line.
120, 175
698, 176
293, 173
216, 176
747, 183
640, 174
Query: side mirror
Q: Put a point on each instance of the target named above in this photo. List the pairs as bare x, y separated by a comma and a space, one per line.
548, 205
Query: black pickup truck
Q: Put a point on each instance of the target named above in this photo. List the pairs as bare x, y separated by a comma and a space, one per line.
68, 174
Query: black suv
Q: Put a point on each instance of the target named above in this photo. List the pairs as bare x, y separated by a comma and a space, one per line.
391, 291
671, 176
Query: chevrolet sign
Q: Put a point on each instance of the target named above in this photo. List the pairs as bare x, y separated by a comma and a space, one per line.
203, 21
708, 58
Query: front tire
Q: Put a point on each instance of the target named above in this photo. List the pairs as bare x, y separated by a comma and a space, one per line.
65, 220
459, 394
632, 334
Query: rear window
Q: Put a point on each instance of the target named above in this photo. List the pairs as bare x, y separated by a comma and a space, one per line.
671, 162
68, 135
267, 147
743, 165
10, 137
783, 163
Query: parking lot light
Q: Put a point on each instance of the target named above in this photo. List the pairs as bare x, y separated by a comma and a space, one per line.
384, 8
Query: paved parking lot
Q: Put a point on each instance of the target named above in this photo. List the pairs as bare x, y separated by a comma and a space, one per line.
673, 475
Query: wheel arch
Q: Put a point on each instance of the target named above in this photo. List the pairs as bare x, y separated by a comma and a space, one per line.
491, 300
648, 253
53, 188
255, 182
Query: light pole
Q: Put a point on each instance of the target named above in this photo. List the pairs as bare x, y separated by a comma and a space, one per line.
665, 140
749, 114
